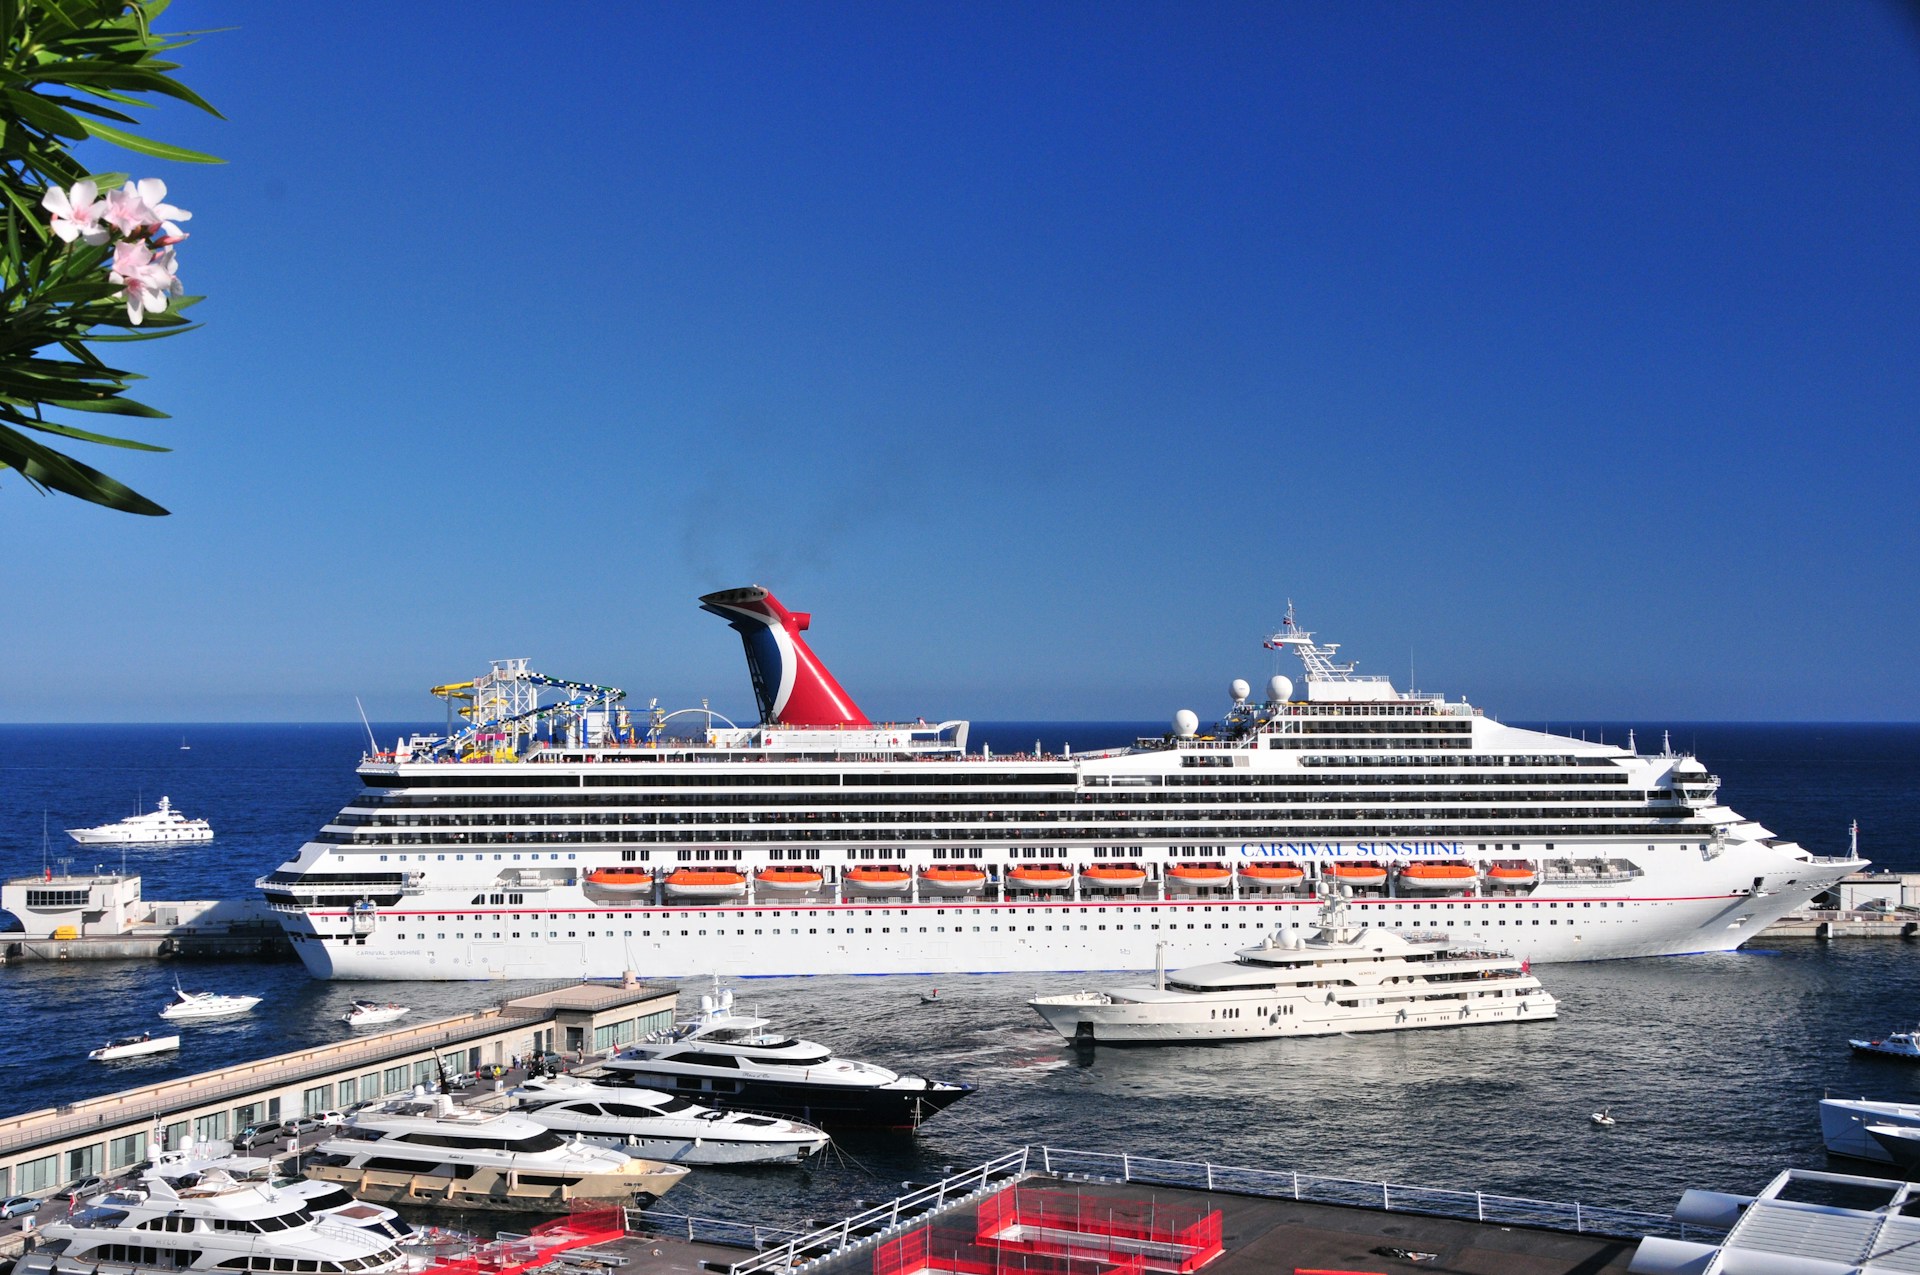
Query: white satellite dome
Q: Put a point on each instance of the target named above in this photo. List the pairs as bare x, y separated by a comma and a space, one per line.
1239, 690
1186, 723
1279, 689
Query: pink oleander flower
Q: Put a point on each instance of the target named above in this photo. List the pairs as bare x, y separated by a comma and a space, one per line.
147, 276
138, 207
170, 234
76, 214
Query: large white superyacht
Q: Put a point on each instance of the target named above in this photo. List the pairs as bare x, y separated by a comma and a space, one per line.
551, 835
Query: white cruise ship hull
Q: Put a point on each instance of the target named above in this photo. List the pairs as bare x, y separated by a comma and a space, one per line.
462, 862
578, 938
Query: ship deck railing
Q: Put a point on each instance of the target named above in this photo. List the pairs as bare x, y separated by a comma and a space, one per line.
786, 1251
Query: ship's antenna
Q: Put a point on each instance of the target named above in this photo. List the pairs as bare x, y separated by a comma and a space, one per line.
1853, 840
372, 745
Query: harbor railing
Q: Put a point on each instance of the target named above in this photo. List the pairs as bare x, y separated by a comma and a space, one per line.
785, 1251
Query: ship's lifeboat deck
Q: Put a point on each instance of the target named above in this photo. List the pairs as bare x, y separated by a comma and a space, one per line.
1039, 876
878, 880
1272, 876
621, 880
1113, 876
1358, 873
953, 880
706, 883
788, 880
1438, 876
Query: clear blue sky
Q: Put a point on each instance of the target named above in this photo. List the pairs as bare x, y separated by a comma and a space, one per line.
1041, 351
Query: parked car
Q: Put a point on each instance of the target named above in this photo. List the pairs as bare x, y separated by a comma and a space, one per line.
19, 1204
306, 1124
85, 1187
260, 1134
331, 1119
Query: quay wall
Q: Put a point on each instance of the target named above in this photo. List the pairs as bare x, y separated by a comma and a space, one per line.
42, 1151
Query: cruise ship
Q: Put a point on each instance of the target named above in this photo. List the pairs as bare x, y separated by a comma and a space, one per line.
553, 833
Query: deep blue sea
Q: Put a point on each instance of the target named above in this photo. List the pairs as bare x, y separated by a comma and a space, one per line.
1712, 1064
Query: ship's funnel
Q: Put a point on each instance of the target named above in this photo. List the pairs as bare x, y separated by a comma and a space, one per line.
792, 685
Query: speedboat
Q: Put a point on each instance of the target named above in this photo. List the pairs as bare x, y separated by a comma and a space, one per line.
196, 1006
370, 1013
133, 1047
1346, 978
425, 1149
1904, 1045
1603, 1118
733, 1061
662, 1126
204, 1221
156, 827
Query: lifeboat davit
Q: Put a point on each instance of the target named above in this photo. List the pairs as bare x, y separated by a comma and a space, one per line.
952, 880
1276, 876
1199, 874
878, 880
1113, 876
1511, 875
706, 883
1358, 873
788, 880
1437, 876
1040, 876
621, 880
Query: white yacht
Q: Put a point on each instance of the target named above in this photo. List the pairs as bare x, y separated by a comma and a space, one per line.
430, 1150
662, 1126
156, 827
1903, 1045
1861, 1128
133, 1047
1345, 978
373, 1013
209, 1221
194, 1006
733, 1061
322, 1199
555, 836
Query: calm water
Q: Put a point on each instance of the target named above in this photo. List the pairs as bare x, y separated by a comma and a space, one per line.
1711, 1064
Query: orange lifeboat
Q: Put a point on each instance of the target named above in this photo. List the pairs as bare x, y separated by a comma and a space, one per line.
1274, 876
962, 879
878, 880
1358, 873
1113, 876
1199, 874
1437, 876
1511, 875
788, 880
706, 883
621, 880
1040, 876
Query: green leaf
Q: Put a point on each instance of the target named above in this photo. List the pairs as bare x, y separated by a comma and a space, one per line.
147, 146
81, 434
47, 468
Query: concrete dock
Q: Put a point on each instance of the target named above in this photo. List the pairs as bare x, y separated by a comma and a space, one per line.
42, 1151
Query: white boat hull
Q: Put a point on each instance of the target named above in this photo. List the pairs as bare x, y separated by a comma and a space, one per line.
235, 1006
114, 1053
1091, 1016
700, 1152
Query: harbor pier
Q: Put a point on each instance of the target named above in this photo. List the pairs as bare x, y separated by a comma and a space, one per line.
44, 1150
100, 915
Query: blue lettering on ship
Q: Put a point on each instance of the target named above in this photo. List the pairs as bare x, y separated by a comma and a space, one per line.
1317, 850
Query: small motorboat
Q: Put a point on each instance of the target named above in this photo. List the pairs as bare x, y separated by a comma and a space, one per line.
930, 998
371, 1013
1903, 1045
1603, 1118
199, 1006
133, 1047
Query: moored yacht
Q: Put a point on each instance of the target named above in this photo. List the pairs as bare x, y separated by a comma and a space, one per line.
734, 1061
1345, 978
1859, 1127
663, 1126
208, 1221
156, 827
427, 1149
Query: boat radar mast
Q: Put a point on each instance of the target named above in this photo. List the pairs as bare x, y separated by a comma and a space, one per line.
1327, 680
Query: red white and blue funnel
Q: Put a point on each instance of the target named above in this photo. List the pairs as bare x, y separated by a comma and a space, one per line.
792, 685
